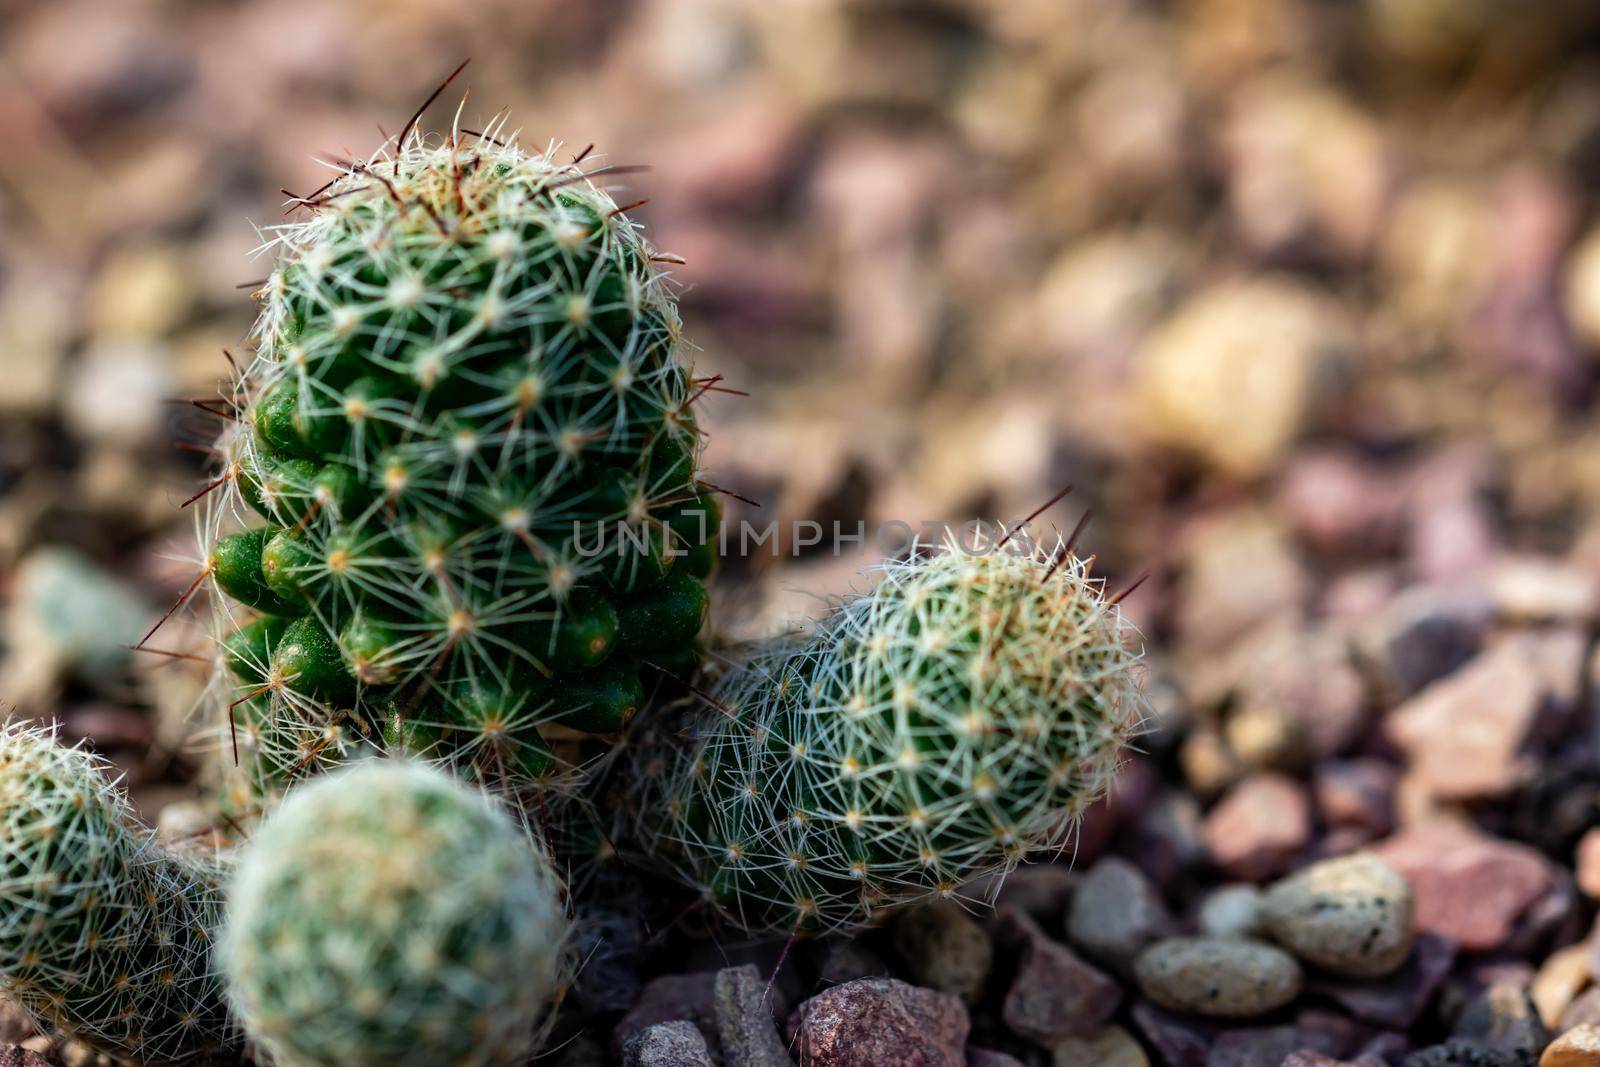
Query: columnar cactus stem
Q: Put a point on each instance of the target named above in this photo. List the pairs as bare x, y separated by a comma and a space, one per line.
389, 915
103, 934
468, 430
956, 719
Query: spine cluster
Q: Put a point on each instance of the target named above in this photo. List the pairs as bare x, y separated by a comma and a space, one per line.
103, 934
957, 718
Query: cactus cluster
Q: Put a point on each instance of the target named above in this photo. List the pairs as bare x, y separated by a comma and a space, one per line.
389, 915
467, 442
955, 719
103, 934
458, 522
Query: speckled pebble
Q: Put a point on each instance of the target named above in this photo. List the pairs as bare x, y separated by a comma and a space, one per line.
1578, 1047
1352, 915
673, 1044
1223, 977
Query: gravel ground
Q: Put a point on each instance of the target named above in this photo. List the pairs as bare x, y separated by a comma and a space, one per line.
1302, 295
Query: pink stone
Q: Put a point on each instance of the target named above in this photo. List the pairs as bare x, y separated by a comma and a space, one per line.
1468, 734
880, 1022
1470, 887
1260, 826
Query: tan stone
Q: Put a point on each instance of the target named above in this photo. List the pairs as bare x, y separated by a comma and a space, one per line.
142, 292
1351, 915
1582, 288
1578, 1047
1220, 977
1588, 863
1109, 1047
1559, 981
1232, 376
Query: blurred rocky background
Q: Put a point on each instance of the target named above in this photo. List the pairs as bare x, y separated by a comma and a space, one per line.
1303, 296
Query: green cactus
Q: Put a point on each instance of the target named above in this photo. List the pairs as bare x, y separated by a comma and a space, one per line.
390, 915
468, 429
103, 934
956, 719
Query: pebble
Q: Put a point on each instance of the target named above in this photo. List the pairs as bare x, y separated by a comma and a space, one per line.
1209, 765
1257, 1046
1257, 829
70, 1052
1461, 1054
17, 1056
1218, 977
1554, 919
1175, 1040
944, 948
1502, 1019
1383, 1050
142, 292
1116, 912
671, 998
742, 1004
1583, 288
1306, 680
1165, 841
1231, 911
1578, 1047
1423, 634
118, 395
1562, 976
1507, 694
1341, 501
1202, 385
16, 1022
1265, 738
1241, 571
672, 1044
36, 324
1536, 589
1055, 994
988, 1057
1397, 1000
65, 607
1584, 1011
1358, 795
1040, 889
879, 1022
1111, 1047
1469, 887
1587, 862
1451, 532
1327, 1030
1352, 915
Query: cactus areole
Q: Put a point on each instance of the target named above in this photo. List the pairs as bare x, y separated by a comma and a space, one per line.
458, 510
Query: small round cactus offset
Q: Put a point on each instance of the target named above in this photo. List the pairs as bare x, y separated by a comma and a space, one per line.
468, 431
390, 915
960, 716
103, 934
